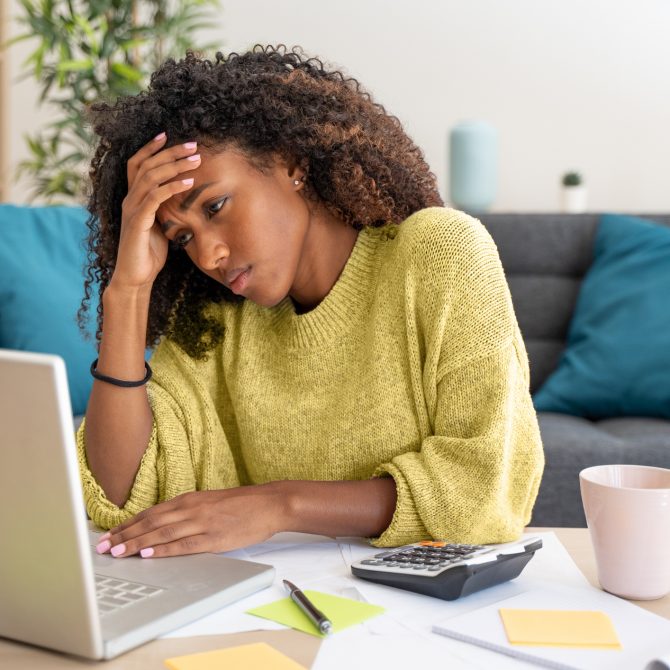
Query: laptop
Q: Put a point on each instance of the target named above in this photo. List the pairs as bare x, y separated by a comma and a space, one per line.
55, 590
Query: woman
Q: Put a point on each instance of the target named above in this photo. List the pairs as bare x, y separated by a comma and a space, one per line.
336, 353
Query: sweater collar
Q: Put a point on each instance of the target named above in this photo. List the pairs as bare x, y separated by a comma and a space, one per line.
341, 308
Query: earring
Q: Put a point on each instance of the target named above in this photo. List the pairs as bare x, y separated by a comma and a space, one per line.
296, 181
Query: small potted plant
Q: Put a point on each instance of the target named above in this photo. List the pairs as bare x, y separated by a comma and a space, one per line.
574, 193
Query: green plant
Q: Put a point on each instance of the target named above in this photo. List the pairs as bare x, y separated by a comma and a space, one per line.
90, 51
572, 179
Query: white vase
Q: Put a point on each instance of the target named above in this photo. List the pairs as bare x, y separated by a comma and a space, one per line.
574, 199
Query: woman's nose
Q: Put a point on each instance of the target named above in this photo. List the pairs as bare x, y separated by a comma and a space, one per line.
211, 252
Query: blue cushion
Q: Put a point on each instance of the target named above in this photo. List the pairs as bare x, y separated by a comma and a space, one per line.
617, 357
42, 259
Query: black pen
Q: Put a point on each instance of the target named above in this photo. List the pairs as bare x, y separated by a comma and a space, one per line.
316, 616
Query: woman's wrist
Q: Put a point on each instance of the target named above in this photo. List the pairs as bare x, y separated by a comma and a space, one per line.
355, 508
118, 291
281, 500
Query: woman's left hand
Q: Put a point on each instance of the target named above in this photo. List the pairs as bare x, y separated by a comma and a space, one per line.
201, 521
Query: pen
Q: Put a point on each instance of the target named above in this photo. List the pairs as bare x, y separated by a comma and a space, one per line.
316, 616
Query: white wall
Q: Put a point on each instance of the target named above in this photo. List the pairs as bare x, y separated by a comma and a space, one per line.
569, 84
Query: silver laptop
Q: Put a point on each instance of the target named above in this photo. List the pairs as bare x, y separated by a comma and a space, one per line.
55, 590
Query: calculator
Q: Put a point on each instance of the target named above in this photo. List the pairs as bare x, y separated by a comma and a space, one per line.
447, 571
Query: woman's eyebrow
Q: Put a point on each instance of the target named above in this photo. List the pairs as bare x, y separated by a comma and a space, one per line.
192, 195
185, 204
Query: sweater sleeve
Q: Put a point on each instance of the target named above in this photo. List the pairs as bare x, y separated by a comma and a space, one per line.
187, 450
476, 472
476, 479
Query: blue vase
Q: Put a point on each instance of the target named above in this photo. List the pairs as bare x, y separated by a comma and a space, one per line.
473, 165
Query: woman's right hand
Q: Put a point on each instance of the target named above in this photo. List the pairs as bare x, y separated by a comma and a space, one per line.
142, 245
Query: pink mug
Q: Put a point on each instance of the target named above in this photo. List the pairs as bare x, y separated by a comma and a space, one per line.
627, 511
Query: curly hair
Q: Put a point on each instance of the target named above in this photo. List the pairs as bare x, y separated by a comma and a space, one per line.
269, 101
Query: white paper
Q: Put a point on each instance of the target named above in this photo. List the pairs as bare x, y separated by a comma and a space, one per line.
642, 634
403, 634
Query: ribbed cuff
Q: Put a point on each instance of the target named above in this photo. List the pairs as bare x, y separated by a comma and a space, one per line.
406, 525
103, 512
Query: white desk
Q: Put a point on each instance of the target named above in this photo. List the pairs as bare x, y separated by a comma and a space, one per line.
395, 640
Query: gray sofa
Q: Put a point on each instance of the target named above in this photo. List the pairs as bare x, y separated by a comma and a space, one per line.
545, 257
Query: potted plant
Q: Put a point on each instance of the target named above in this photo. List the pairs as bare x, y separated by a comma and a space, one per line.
574, 193
88, 51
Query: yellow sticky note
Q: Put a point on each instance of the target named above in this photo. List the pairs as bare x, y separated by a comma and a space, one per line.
259, 656
560, 628
342, 612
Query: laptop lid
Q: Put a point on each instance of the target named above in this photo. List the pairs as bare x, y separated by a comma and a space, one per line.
45, 567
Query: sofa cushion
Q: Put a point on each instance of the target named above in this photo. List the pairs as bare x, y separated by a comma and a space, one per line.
573, 443
642, 432
617, 358
42, 258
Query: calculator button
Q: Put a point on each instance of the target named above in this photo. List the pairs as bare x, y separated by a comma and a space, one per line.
432, 568
404, 565
372, 562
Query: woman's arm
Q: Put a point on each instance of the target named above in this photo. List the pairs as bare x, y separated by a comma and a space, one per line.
229, 519
351, 508
119, 420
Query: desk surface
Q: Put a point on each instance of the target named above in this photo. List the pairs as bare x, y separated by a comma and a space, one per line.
303, 647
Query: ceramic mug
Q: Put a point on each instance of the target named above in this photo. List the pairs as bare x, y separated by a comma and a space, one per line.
627, 511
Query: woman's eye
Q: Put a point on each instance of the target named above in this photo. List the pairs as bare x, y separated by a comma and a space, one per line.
181, 240
216, 206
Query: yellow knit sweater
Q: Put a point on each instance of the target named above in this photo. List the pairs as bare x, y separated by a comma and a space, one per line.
412, 366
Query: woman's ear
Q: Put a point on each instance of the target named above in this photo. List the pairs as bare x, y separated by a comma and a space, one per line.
297, 172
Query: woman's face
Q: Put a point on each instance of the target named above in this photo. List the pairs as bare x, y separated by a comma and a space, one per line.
242, 227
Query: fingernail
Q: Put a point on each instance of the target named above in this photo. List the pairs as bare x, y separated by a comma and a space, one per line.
146, 553
190, 145
160, 136
187, 181
118, 550
106, 536
194, 157
103, 546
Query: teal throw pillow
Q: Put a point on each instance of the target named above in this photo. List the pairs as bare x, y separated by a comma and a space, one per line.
617, 358
42, 259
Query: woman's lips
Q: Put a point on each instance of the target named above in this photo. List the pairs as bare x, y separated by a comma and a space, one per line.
240, 279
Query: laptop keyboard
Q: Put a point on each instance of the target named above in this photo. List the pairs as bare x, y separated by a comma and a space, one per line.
114, 594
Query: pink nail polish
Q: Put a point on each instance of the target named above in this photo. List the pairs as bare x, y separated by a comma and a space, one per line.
187, 181
190, 145
146, 553
160, 136
118, 550
103, 546
194, 157
106, 536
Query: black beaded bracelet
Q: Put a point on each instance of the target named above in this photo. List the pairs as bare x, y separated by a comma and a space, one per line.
120, 382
